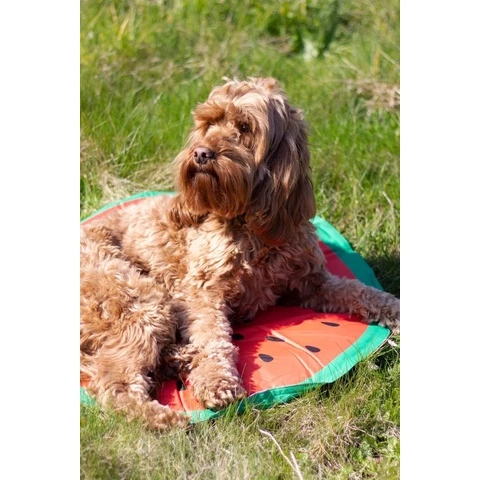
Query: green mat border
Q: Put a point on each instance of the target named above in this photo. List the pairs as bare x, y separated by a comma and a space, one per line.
125, 200
372, 339
329, 235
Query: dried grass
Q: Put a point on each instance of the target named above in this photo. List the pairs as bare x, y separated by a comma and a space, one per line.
377, 96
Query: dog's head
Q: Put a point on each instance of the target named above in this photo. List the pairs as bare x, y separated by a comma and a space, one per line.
247, 156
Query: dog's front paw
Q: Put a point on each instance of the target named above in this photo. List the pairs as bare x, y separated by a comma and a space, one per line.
217, 391
390, 316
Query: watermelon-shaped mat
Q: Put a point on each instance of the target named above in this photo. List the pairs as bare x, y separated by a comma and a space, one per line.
286, 351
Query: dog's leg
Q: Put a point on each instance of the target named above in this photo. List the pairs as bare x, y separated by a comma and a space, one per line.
176, 362
328, 293
118, 377
120, 382
125, 325
214, 376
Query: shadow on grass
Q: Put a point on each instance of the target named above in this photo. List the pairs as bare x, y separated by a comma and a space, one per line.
387, 271
383, 361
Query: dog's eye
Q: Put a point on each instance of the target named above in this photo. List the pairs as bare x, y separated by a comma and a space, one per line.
244, 127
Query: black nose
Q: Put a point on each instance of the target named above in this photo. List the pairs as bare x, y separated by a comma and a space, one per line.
202, 155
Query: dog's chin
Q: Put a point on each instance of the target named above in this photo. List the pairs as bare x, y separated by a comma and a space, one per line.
203, 197
205, 192
203, 177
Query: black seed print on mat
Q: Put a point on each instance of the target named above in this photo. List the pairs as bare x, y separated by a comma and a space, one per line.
265, 357
274, 339
237, 336
331, 324
181, 385
312, 349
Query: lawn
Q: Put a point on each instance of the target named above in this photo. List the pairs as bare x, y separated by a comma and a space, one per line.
144, 67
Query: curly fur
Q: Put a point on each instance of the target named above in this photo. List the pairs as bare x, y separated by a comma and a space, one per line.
162, 282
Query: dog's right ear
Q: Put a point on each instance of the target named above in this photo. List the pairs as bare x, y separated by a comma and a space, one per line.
180, 215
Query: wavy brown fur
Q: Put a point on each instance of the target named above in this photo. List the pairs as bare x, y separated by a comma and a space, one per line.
235, 240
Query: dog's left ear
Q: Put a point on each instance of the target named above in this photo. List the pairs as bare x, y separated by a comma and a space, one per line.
283, 196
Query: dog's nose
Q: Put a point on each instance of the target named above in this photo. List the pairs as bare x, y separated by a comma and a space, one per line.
202, 155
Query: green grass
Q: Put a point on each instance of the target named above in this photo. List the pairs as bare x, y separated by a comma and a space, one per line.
145, 64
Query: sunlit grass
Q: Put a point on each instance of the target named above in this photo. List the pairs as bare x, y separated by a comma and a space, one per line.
145, 64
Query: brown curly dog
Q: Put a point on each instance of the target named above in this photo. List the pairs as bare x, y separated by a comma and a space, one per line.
236, 239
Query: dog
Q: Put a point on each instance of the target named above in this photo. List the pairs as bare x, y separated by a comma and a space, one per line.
164, 280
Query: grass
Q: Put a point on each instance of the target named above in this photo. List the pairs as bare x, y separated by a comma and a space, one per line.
348, 429
144, 66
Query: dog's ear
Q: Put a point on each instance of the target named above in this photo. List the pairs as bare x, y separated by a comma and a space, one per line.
283, 195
